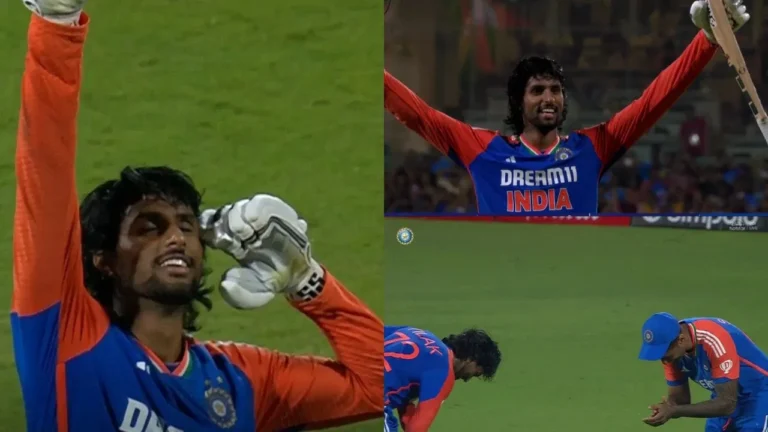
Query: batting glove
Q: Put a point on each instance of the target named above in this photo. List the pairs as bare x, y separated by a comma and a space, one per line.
269, 241
702, 17
65, 12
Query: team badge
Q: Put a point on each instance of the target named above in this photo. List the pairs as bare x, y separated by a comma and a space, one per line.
563, 153
221, 408
648, 336
404, 236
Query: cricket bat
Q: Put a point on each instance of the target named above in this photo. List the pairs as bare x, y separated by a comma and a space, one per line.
722, 29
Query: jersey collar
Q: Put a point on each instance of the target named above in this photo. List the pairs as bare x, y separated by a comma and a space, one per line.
179, 369
536, 151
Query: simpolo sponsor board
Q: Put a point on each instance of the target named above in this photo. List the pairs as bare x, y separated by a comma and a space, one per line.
709, 223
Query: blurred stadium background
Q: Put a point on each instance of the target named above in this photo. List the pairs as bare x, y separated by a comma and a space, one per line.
706, 155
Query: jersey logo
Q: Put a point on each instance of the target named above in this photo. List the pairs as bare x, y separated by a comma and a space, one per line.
563, 153
221, 408
726, 366
510, 159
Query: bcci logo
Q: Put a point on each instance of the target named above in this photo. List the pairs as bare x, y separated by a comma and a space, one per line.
563, 154
404, 236
221, 409
648, 336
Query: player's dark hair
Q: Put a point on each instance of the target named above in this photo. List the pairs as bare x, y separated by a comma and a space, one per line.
101, 213
527, 68
476, 345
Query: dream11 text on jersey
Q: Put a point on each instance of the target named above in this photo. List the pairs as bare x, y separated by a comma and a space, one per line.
538, 200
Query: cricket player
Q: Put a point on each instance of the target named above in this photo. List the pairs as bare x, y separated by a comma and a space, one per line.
538, 171
106, 294
418, 365
719, 357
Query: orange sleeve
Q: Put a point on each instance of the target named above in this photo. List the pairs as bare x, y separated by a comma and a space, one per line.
612, 138
451, 137
406, 413
47, 256
720, 349
314, 392
426, 412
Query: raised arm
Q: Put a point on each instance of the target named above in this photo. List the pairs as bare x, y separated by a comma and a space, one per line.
46, 226
612, 138
47, 255
451, 137
49, 299
313, 392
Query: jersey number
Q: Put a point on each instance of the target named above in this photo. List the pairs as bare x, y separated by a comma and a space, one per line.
402, 339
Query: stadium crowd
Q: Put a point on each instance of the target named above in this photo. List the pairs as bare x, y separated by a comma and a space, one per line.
609, 54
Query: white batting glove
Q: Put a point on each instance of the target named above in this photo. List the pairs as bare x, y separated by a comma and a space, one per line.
268, 239
702, 17
66, 12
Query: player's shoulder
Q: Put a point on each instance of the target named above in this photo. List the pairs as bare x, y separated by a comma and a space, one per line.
391, 330
226, 351
712, 333
707, 323
491, 133
577, 137
425, 335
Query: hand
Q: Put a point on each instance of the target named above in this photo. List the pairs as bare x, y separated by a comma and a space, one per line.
65, 12
660, 413
268, 240
702, 18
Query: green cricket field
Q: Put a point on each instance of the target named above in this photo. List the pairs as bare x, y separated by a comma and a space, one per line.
247, 97
566, 304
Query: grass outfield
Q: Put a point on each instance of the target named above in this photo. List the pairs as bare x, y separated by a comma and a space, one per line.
282, 97
566, 304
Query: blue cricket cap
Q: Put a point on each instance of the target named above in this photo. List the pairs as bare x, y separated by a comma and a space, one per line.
659, 331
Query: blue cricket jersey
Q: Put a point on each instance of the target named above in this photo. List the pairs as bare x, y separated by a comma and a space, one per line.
722, 353
417, 366
512, 177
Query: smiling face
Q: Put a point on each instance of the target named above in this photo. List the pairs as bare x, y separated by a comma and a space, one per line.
543, 103
159, 254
